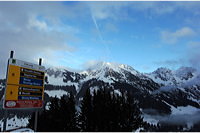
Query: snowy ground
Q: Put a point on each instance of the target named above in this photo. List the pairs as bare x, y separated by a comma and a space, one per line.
15, 122
47, 106
56, 93
56, 80
150, 119
1, 86
23, 130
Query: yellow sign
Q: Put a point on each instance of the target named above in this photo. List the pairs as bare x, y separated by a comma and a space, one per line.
25, 85
13, 76
12, 92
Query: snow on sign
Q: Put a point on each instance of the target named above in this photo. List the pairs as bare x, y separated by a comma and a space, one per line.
24, 85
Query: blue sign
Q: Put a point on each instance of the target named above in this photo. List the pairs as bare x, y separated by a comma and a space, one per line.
33, 82
29, 98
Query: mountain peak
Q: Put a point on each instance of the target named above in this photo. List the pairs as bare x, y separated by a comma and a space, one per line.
185, 72
173, 77
56, 71
185, 69
101, 67
101, 64
163, 70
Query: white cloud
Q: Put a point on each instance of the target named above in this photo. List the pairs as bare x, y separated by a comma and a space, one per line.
109, 10
166, 7
154, 7
116, 10
33, 22
90, 63
34, 30
173, 37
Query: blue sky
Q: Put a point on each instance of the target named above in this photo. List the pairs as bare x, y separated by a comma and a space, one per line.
144, 35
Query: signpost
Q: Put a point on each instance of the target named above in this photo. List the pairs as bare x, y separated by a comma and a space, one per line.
25, 85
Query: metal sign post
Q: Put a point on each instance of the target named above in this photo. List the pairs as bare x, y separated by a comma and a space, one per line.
36, 112
5, 120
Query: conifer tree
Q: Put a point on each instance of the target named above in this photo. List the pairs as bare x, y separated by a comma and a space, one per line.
133, 114
61, 116
107, 111
55, 115
85, 117
46, 119
70, 114
104, 111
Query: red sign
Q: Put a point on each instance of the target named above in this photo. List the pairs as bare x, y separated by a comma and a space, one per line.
23, 103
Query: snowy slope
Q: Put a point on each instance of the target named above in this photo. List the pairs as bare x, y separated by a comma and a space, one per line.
55, 76
56, 93
104, 71
108, 72
15, 122
1, 86
104, 66
184, 76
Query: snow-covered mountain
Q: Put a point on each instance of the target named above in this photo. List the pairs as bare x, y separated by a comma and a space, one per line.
184, 82
184, 76
55, 76
109, 73
160, 92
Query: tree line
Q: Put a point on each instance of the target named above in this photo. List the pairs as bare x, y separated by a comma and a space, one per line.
98, 111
